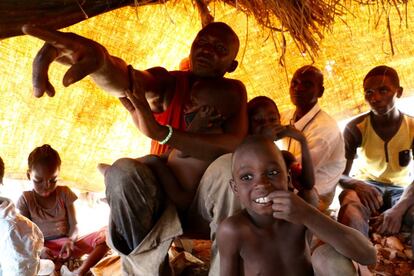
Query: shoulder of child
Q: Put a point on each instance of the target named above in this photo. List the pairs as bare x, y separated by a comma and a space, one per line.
66, 192
233, 226
236, 85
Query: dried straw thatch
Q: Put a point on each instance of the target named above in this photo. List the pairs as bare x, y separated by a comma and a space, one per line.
86, 126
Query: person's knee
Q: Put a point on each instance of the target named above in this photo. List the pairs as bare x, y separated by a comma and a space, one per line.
348, 196
353, 213
120, 176
327, 261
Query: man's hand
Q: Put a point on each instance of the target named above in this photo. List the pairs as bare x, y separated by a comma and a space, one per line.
390, 221
137, 105
84, 56
370, 196
288, 206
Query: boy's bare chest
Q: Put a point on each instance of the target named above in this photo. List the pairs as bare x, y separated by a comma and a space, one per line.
279, 254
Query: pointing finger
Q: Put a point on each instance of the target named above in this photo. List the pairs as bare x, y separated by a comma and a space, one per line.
53, 37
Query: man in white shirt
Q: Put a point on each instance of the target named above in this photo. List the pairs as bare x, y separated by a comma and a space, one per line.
327, 149
324, 138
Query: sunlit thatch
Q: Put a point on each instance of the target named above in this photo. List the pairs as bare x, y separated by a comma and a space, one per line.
86, 126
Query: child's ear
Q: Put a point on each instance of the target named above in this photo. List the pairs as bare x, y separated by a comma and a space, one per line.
28, 174
399, 92
233, 66
321, 92
289, 182
233, 186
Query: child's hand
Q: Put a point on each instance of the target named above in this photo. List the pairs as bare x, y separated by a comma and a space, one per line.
46, 253
67, 249
288, 206
206, 117
290, 131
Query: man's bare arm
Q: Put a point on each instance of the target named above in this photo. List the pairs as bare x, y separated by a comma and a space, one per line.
392, 218
85, 57
369, 195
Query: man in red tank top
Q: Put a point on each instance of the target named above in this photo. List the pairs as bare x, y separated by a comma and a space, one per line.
142, 223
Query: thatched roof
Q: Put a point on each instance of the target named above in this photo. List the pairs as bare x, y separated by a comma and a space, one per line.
86, 126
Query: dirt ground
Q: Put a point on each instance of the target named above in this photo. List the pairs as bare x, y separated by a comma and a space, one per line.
394, 257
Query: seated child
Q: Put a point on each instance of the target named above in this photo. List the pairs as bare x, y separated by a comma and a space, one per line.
264, 119
20, 241
51, 208
268, 237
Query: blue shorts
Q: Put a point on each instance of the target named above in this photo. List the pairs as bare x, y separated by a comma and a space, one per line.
390, 193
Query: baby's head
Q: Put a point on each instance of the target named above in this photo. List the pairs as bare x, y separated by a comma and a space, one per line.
44, 166
1, 171
258, 169
262, 113
209, 92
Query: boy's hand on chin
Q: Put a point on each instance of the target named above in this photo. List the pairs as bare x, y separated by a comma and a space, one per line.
288, 206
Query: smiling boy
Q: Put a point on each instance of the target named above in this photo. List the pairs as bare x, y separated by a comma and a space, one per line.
268, 237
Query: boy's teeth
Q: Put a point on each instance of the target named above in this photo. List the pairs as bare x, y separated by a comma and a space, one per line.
262, 200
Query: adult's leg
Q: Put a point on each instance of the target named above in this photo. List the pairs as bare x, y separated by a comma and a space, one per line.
135, 200
352, 212
214, 202
409, 221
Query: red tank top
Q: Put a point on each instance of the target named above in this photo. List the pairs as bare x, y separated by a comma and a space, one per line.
174, 116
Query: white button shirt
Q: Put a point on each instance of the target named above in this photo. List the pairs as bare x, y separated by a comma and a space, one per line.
326, 146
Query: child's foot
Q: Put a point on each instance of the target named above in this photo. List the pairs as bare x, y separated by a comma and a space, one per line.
64, 271
46, 267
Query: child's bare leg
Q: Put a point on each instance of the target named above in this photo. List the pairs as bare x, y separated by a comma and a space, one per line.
94, 257
326, 261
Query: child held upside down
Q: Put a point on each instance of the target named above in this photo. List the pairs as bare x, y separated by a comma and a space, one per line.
51, 208
268, 237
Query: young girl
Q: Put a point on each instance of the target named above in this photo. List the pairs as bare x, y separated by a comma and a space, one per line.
51, 208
